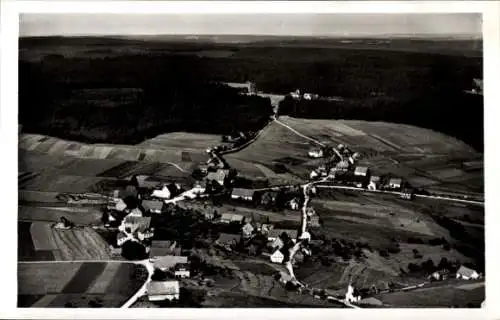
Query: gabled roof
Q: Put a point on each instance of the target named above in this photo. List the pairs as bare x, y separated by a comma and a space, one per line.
169, 261
361, 170
232, 217
395, 181
152, 205
274, 233
139, 223
240, 192
374, 178
227, 238
164, 192
163, 287
145, 182
468, 272
218, 175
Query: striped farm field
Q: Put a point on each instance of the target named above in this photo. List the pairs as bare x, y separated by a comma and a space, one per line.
52, 182
72, 284
80, 216
38, 241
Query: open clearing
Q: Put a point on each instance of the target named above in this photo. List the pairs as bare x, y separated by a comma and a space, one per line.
74, 284
435, 297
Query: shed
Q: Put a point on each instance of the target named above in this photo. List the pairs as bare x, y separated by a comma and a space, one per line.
154, 206
163, 290
244, 194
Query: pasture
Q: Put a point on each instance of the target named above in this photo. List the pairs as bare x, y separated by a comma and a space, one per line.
77, 284
436, 297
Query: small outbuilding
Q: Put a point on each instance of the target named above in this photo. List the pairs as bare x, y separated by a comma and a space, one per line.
243, 194
467, 273
163, 290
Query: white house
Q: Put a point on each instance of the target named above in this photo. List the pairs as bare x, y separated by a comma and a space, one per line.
120, 205
163, 290
374, 183
146, 234
294, 204
247, 230
361, 171
181, 270
315, 153
277, 257
313, 174
467, 273
244, 194
135, 213
121, 238
395, 183
163, 193
199, 187
350, 295
295, 94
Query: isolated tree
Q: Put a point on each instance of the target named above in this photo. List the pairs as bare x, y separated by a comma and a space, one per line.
133, 250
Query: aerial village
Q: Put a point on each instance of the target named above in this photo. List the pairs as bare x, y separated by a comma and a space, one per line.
134, 215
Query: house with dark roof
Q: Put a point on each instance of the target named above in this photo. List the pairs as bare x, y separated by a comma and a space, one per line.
163, 290
160, 248
276, 233
242, 194
227, 239
232, 217
134, 223
153, 206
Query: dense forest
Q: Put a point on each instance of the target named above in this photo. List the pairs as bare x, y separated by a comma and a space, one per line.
170, 87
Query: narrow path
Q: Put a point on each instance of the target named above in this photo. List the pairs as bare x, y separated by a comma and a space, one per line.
298, 133
177, 166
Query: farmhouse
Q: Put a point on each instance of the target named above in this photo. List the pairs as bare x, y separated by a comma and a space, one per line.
277, 256
374, 183
181, 270
342, 166
232, 217
395, 183
161, 248
163, 290
167, 262
315, 153
153, 206
145, 234
293, 204
226, 239
163, 193
361, 171
243, 194
276, 233
134, 223
218, 176
120, 205
247, 230
121, 238
467, 274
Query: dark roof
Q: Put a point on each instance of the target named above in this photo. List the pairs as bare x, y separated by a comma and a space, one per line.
152, 204
228, 238
141, 223
277, 233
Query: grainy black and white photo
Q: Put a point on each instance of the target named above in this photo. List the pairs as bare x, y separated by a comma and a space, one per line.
250, 160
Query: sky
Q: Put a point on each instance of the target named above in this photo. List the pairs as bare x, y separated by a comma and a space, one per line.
452, 24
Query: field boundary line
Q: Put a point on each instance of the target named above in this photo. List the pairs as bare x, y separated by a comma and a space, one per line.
298, 133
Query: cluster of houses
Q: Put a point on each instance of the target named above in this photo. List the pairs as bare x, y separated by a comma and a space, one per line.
167, 257
341, 168
297, 95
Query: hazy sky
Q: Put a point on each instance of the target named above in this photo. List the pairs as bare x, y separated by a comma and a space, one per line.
259, 24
